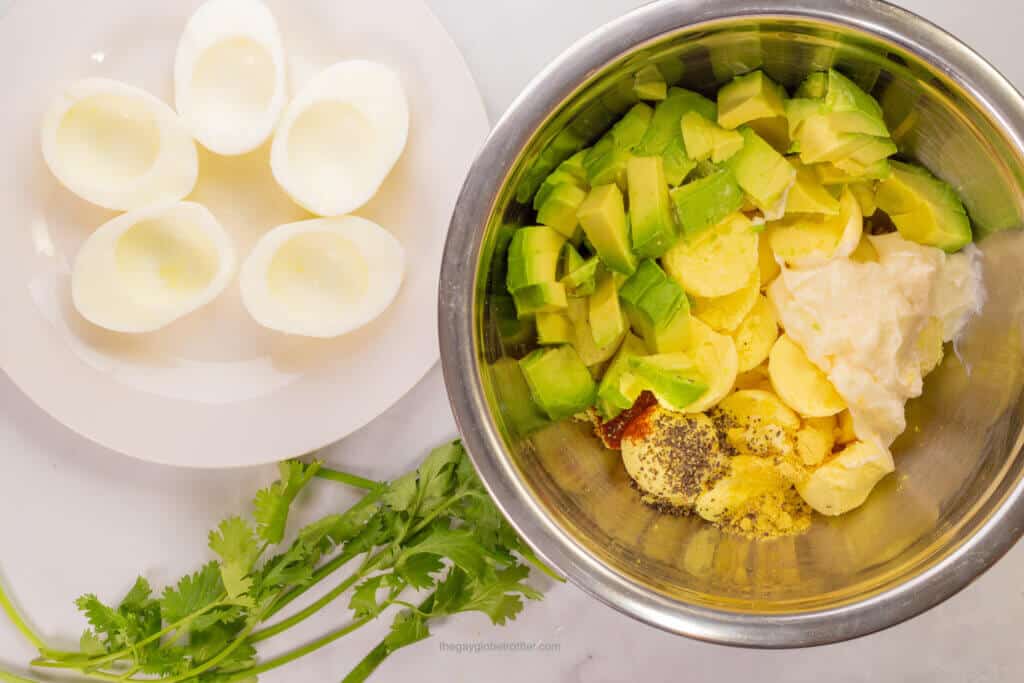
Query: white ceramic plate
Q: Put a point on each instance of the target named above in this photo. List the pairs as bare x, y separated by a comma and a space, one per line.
215, 389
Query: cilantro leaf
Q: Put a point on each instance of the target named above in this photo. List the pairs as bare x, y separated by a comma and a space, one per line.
458, 544
408, 627
401, 493
417, 570
364, 597
273, 504
105, 621
235, 543
193, 593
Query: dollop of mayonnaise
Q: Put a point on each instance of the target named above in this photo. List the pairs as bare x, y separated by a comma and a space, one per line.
861, 323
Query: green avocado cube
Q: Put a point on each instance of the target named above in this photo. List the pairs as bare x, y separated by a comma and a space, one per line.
649, 83
698, 135
583, 278
923, 208
559, 381
707, 140
674, 336
760, 171
543, 297
652, 300
814, 86
630, 130
653, 230
603, 310
603, 217
533, 257
554, 328
672, 378
610, 399
873, 150
559, 211
519, 412
569, 261
855, 110
672, 69
569, 172
606, 164
808, 194
703, 203
665, 125
798, 110
749, 97
864, 193
676, 161
831, 175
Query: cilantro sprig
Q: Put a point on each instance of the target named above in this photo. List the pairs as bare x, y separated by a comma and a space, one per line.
433, 532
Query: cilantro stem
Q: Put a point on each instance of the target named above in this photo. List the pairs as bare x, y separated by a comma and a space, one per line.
8, 607
121, 654
327, 599
300, 652
350, 479
8, 677
384, 649
214, 661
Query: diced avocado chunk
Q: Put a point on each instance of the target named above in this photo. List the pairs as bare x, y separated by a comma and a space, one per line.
653, 230
559, 381
923, 208
554, 328
808, 194
518, 409
569, 261
603, 217
673, 337
832, 175
591, 354
582, 280
559, 211
610, 400
856, 111
698, 135
649, 83
654, 304
702, 203
763, 173
533, 257
672, 378
798, 110
604, 312
864, 193
630, 130
707, 140
605, 163
879, 170
749, 97
511, 328
569, 172
543, 297
677, 163
665, 126
814, 86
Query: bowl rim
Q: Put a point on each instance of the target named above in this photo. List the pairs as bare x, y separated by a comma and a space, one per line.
993, 536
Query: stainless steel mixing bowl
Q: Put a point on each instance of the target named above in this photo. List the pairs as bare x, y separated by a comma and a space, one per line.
956, 503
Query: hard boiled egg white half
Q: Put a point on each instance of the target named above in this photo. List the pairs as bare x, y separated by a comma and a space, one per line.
340, 137
117, 146
323, 277
145, 269
229, 75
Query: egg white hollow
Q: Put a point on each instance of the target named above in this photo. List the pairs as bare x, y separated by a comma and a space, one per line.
145, 269
117, 146
340, 137
229, 75
323, 277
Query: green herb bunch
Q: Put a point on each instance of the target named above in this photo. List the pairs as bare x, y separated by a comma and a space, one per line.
434, 531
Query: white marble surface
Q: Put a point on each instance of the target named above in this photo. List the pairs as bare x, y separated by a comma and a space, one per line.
74, 518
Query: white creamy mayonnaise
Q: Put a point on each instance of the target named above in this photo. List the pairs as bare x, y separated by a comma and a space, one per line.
861, 323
